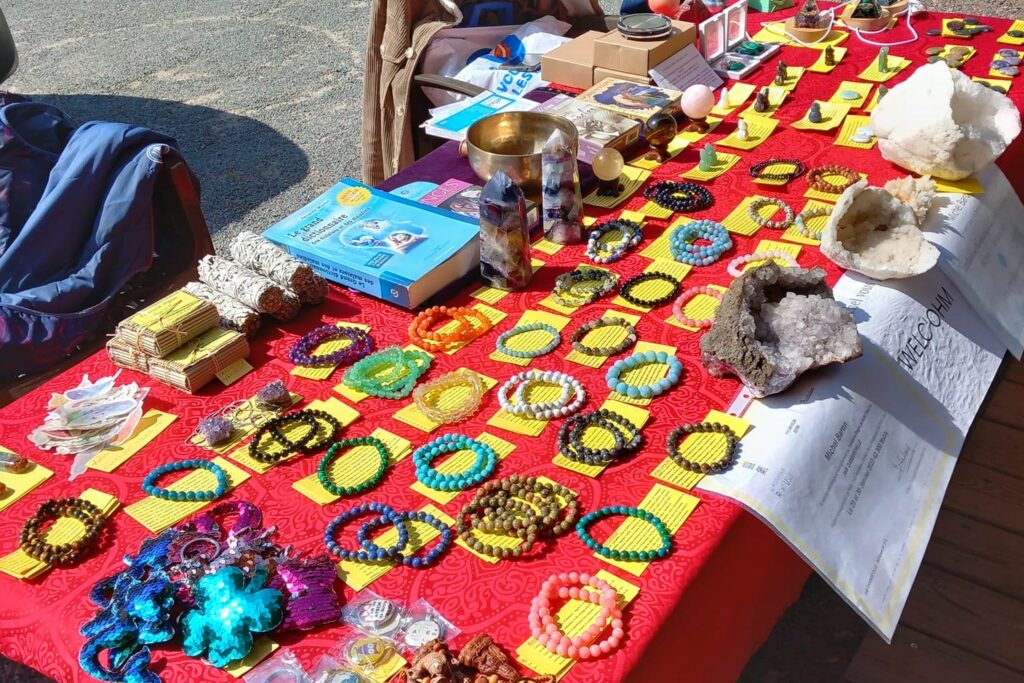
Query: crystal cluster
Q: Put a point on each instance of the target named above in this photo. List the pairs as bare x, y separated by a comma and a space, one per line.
563, 203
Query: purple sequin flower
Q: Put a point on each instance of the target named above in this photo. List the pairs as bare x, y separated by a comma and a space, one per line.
302, 353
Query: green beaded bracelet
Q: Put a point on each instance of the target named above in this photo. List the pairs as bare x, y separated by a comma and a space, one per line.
633, 555
323, 471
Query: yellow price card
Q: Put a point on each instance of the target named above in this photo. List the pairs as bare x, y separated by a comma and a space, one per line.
758, 130
739, 220
651, 159
492, 295
820, 66
533, 340
692, 136
17, 484
659, 249
157, 514
861, 90
599, 438
832, 116
738, 94
262, 648
550, 302
152, 424
632, 179
776, 96
1006, 38
851, 124
894, 66
354, 466
969, 185
700, 447
999, 83
723, 162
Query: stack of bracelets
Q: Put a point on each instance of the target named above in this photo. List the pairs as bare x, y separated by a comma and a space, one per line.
679, 306
817, 178
682, 243
425, 329
757, 171
428, 397
384, 516
323, 472
33, 537
570, 398
586, 328
681, 197
737, 263
638, 360
675, 439
302, 352
483, 464
390, 373
583, 526
582, 286
150, 487
522, 508
631, 235
502, 343
571, 437
754, 209
626, 291
321, 429
585, 587
808, 214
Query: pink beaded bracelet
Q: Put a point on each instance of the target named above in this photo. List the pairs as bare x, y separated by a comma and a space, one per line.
685, 298
734, 265
578, 586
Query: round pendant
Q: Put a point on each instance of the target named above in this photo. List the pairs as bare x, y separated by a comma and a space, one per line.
369, 652
422, 631
378, 616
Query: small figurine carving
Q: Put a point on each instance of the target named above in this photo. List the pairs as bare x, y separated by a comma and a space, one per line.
814, 115
484, 655
781, 74
830, 56
723, 98
433, 663
867, 9
741, 130
761, 101
883, 60
708, 158
660, 130
808, 16
607, 166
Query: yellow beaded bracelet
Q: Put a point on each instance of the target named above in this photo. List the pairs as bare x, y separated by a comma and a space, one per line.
427, 396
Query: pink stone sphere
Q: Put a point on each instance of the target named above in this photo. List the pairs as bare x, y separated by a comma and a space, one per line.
697, 101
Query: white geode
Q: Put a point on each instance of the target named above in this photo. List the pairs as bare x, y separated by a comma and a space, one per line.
939, 122
917, 193
872, 232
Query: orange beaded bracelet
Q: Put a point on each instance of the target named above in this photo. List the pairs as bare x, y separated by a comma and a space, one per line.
471, 324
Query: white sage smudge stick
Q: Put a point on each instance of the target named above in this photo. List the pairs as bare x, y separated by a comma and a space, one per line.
266, 258
234, 315
249, 287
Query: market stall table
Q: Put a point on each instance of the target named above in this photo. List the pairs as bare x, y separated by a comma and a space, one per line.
699, 614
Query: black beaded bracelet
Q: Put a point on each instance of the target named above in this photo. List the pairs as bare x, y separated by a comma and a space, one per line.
757, 170
682, 197
587, 327
680, 433
626, 290
323, 429
570, 437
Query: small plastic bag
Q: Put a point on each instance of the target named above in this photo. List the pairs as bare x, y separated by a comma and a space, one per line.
372, 614
283, 667
331, 670
420, 625
367, 654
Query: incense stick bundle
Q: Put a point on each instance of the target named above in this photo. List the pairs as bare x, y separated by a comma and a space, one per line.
124, 355
234, 315
192, 366
163, 326
266, 258
249, 287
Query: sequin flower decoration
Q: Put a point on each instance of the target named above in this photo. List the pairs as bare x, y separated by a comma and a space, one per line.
228, 611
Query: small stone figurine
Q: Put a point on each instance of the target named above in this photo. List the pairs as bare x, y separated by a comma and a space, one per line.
504, 235
883, 60
608, 165
814, 115
723, 98
830, 56
761, 101
563, 203
741, 130
708, 158
781, 74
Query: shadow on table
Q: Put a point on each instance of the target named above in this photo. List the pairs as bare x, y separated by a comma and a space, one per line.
16, 673
240, 162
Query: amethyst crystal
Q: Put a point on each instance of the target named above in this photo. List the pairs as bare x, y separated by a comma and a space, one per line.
504, 234
563, 203
215, 429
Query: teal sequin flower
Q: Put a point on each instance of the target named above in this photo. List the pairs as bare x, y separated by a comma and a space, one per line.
227, 613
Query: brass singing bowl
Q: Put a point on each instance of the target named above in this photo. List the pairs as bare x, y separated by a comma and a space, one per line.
512, 142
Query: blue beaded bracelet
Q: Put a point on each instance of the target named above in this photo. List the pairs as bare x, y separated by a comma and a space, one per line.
416, 562
556, 339
482, 467
636, 555
682, 243
641, 358
150, 487
376, 553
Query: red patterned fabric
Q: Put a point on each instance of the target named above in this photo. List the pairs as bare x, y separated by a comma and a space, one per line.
699, 614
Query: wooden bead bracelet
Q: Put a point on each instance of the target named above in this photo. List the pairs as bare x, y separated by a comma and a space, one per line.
675, 439
34, 544
757, 171
817, 178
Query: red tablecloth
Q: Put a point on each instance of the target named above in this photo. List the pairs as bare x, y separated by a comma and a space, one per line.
699, 614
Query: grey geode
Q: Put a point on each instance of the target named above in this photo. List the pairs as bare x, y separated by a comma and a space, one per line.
776, 323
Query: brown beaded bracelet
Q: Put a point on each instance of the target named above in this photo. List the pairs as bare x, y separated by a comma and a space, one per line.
680, 433
816, 178
34, 544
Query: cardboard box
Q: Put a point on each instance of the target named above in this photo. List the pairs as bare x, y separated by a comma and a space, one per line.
617, 52
600, 73
571, 64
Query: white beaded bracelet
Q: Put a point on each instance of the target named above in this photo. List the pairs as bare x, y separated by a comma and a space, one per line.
734, 265
546, 410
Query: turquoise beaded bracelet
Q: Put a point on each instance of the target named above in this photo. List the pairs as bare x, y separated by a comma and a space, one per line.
589, 519
323, 471
675, 371
556, 339
150, 487
683, 242
481, 468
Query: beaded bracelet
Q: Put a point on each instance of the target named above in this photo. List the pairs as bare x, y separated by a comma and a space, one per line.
585, 587
682, 243
681, 197
556, 339
570, 437
390, 373
739, 261
755, 206
632, 235
323, 470
373, 554
434, 389
471, 323
519, 521
758, 170
817, 178
150, 487
520, 506
626, 291
640, 359
806, 215
679, 433
323, 429
32, 538
572, 288
686, 297
586, 328
569, 401
483, 465
302, 354
634, 555
416, 562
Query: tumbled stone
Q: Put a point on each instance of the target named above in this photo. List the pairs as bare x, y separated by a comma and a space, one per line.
933, 32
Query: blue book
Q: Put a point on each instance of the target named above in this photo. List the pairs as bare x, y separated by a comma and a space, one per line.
381, 244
